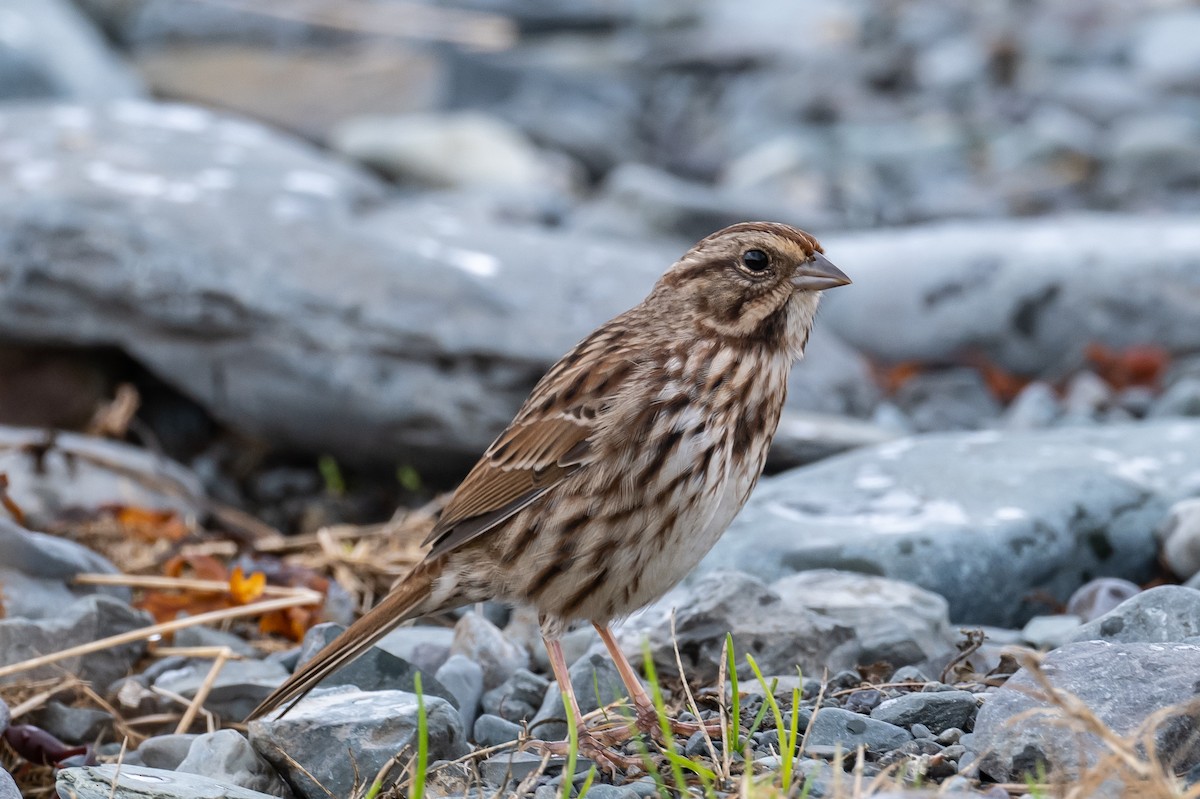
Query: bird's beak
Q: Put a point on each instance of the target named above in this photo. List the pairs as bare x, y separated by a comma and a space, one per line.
819, 274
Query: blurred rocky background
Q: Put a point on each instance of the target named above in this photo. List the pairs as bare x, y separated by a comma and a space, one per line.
293, 263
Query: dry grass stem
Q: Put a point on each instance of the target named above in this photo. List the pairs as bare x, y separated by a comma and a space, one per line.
189, 715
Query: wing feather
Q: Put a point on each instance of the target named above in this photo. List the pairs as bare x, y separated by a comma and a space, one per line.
549, 440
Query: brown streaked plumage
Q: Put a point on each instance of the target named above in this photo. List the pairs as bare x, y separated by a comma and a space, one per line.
629, 458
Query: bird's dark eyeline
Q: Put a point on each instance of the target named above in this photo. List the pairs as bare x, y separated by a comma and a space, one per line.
628, 460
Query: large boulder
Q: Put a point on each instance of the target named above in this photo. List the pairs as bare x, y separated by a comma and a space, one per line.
990, 521
1030, 295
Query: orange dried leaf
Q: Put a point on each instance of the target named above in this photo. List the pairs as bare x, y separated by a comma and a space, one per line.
291, 623
165, 606
151, 525
245, 589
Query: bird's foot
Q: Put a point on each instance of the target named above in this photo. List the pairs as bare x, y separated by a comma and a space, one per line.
647, 721
597, 746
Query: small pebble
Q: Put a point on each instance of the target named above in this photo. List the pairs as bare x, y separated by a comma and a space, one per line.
949, 736
492, 731
920, 731
954, 752
909, 674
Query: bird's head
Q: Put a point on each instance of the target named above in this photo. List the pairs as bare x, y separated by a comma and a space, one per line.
754, 281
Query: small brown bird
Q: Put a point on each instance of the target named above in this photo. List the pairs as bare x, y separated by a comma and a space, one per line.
627, 462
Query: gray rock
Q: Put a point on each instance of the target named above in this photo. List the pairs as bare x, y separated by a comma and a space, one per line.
238, 689
1122, 684
602, 791
73, 725
1096, 597
804, 437
492, 730
518, 698
464, 679
83, 621
1036, 407
80, 471
137, 782
5, 716
376, 670
1179, 536
208, 636
1182, 398
596, 683
37, 571
343, 733
165, 751
892, 621
54, 52
481, 641
779, 636
1164, 614
947, 399
936, 711
1087, 396
8, 787
1019, 513
462, 148
1161, 47
424, 646
499, 770
1030, 295
1050, 632
227, 756
836, 727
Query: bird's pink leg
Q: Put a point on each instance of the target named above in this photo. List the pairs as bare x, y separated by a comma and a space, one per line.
647, 716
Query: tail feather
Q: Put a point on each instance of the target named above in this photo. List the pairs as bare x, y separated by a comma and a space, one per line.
398, 606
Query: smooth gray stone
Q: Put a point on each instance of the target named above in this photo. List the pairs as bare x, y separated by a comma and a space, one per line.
1179, 535
985, 519
227, 756
208, 636
165, 751
492, 730
463, 678
1122, 683
1164, 614
83, 621
834, 726
72, 725
481, 641
804, 437
779, 635
596, 683
54, 52
85, 472
893, 621
239, 687
1029, 294
8, 787
936, 711
1096, 597
343, 733
375, 670
1050, 632
139, 782
518, 698
499, 770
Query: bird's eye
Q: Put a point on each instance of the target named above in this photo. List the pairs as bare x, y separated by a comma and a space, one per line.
755, 260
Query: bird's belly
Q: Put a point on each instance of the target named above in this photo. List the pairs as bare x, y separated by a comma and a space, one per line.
654, 548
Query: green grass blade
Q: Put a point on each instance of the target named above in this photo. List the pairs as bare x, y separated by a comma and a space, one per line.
568, 775
660, 708
418, 785
735, 709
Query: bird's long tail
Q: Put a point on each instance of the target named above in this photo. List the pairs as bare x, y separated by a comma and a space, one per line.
402, 602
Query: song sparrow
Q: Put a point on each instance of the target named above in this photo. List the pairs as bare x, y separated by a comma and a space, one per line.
627, 462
